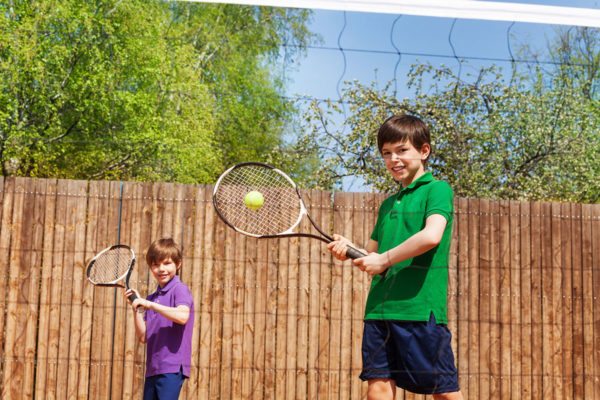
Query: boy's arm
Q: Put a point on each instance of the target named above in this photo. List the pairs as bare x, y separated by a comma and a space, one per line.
179, 314
138, 318
419, 243
140, 326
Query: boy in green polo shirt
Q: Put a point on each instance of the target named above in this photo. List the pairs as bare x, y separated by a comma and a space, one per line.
406, 342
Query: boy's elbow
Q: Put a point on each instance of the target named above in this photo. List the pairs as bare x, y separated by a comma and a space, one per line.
433, 239
184, 316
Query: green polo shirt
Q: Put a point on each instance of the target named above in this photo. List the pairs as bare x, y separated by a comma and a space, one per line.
413, 288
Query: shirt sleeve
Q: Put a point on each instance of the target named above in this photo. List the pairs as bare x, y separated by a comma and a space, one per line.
440, 200
375, 232
183, 296
381, 212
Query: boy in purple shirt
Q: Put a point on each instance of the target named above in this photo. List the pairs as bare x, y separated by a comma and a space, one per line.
166, 326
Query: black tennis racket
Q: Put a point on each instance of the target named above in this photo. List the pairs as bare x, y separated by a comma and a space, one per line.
281, 210
112, 266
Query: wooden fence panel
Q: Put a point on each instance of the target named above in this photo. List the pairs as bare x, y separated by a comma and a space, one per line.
50, 198
303, 303
536, 296
589, 303
31, 255
527, 315
129, 235
344, 224
515, 318
17, 300
485, 265
453, 298
218, 317
11, 385
566, 219
6, 196
205, 302
75, 262
54, 358
461, 332
474, 296
504, 296
280, 318
191, 272
578, 295
324, 362
105, 299
594, 213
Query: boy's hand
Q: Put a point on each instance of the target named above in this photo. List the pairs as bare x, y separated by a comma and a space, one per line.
372, 264
139, 302
338, 247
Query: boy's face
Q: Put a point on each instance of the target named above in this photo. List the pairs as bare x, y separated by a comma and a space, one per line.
164, 271
403, 161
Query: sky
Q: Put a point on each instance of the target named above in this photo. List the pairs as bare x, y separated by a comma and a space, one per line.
418, 39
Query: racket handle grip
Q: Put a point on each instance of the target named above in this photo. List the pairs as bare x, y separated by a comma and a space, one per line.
131, 298
353, 253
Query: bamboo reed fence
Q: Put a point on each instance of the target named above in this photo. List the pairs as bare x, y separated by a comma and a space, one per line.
280, 319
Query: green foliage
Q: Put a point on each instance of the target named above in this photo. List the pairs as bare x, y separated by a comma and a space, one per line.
537, 138
234, 45
144, 90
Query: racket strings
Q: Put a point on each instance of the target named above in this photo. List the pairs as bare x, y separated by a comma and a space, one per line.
111, 265
281, 208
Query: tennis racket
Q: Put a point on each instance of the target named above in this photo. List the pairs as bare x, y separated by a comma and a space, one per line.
112, 266
276, 215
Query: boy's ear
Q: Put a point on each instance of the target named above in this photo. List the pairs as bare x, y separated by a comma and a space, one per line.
425, 151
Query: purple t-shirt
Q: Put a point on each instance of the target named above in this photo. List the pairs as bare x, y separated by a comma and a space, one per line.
168, 344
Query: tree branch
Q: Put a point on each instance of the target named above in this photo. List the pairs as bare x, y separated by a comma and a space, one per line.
117, 164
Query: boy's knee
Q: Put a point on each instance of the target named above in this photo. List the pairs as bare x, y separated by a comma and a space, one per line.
381, 389
448, 396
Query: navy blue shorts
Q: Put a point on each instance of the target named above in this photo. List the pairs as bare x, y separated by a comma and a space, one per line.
163, 386
416, 355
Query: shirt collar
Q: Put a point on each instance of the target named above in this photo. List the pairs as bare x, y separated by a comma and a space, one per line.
423, 179
168, 286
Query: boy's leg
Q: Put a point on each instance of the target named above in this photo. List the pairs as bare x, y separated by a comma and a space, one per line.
448, 396
163, 386
381, 389
149, 388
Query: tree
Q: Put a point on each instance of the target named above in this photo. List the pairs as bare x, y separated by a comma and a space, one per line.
536, 138
235, 46
145, 90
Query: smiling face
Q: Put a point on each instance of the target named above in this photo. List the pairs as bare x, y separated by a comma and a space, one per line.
403, 161
164, 259
163, 271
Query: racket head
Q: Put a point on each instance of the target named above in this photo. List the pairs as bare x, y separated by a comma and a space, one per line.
111, 266
282, 208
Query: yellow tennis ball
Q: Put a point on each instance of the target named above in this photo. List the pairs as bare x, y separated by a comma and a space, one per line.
254, 200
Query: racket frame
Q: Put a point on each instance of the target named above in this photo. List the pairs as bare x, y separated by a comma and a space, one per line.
114, 283
288, 232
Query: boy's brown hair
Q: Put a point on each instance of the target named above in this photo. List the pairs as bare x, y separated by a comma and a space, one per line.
400, 128
163, 249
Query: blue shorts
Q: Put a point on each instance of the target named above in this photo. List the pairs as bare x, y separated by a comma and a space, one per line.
416, 355
163, 386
